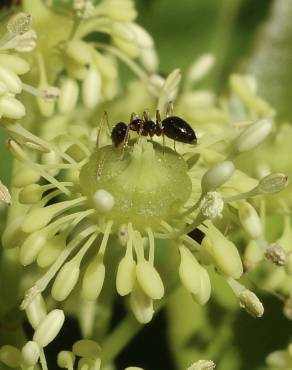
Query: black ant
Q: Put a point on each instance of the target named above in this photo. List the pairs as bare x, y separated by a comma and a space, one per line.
171, 126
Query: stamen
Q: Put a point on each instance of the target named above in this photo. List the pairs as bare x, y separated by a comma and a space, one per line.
43, 282
151, 245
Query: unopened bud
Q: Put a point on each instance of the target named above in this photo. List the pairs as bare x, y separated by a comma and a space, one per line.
68, 96
80, 51
10, 79
272, 183
253, 135
31, 247
93, 279
31, 194
30, 353
279, 360
86, 348
217, 176
202, 365
36, 310
141, 305
149, 280
11, 107
223, 252
10, 356
91, 88
126, 275
65, 280
25, 176
66, 359
201, 67
276, 254
250, 302
15, 63
4, 194
250, 220
49, 328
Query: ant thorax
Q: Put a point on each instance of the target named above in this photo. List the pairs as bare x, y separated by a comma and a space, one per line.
143, 185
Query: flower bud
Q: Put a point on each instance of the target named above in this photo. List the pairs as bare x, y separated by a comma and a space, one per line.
66, 360
51, 250
171, 83
126, 275
252, 256
201, 67
86, 348
13, 235
129, 48
4, 194
31, 194
253, 135
31, 247
69, 95
106, 65
93, 279
3, 88
103, 201
224, 254
123, 31
49, 328
37, 219
141, 305
65, 280
11, 107
250, 302
272, 183
250, 220
149, 280
91, 88
10, 356
194, 277
30, 353
149, 59
141, 36
202, 365
79, 51
36, 311
25, 176
14, 63
279, 360
217, 176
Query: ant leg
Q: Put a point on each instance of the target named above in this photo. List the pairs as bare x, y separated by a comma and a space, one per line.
159, 124
169, 109
174, 146
104, 119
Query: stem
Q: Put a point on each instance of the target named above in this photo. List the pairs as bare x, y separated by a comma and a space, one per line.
43, 360
119, 338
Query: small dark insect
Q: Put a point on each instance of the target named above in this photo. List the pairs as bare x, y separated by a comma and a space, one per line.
171, 126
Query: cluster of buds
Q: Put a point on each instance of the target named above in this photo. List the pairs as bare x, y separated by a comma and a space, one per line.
46, 327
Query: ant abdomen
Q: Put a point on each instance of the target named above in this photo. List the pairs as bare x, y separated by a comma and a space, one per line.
178, 129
